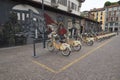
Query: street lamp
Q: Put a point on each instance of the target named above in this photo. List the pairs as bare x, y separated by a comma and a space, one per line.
43, 24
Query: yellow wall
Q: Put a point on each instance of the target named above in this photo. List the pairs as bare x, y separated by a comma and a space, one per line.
99, 17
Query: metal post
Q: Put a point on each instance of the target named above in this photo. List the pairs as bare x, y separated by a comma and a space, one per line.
34, 41
34, 51
43, 24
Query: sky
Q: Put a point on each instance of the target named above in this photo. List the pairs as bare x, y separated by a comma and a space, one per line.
90, 4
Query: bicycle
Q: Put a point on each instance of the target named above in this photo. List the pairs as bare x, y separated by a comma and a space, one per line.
85, 39
63, 47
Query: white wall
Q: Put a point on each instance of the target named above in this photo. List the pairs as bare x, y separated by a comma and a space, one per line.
62, 7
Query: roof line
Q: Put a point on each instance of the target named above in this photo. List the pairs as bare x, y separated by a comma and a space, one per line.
49, 8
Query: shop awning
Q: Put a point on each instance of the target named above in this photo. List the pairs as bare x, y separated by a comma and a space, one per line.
48, 19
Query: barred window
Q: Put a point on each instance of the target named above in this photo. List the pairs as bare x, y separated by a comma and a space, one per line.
116, 24
63, 2
111, 24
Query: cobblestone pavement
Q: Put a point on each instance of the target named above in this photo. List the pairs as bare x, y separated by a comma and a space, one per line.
98, 62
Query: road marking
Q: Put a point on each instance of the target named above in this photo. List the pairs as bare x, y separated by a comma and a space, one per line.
71, 63
44, 66
82, 57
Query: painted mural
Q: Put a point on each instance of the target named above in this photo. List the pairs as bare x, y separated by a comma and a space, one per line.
21, 23
18, 29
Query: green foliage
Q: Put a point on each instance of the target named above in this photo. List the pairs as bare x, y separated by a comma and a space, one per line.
10, 29
108, 3
118, 2
114, 3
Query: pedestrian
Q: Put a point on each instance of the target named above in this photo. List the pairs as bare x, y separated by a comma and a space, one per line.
49, 30
61, 32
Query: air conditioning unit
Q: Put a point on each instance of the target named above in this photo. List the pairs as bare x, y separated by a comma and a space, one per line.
54, 5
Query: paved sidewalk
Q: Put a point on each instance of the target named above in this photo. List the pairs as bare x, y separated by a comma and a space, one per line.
91, 63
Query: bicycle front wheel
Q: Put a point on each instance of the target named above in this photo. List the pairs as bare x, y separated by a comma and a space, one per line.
77, 48
66, 52
50, 46
90, 43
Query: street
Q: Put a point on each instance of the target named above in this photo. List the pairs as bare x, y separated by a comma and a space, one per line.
98, 62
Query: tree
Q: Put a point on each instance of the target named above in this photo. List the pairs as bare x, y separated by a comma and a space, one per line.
118, 2
114, 3
108, 3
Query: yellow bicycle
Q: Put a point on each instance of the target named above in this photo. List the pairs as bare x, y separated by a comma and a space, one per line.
52, 44
75, 44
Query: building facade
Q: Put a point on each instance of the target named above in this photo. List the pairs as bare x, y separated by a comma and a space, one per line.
87, 14
21, 20
72, 6
99, 15
112, 20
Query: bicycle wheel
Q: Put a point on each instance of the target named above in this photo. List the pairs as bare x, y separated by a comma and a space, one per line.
50, 46
99, 40
90, 43
66, 52
77, 48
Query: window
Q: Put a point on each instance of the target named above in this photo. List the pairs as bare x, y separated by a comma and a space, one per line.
53, 1
106, 19
27, 15
111, 24
110, 9
101, 13
73, 6
109, 13
101, 22
116, 18
63, 2
106, 10
116, 24
111, 18
101, 17
23, 16
97, 18
114, 13
18, 15
106, 24
97, 13
69, 4
115, 8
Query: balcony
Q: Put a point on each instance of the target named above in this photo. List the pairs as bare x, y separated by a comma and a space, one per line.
69, 9
54, 5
